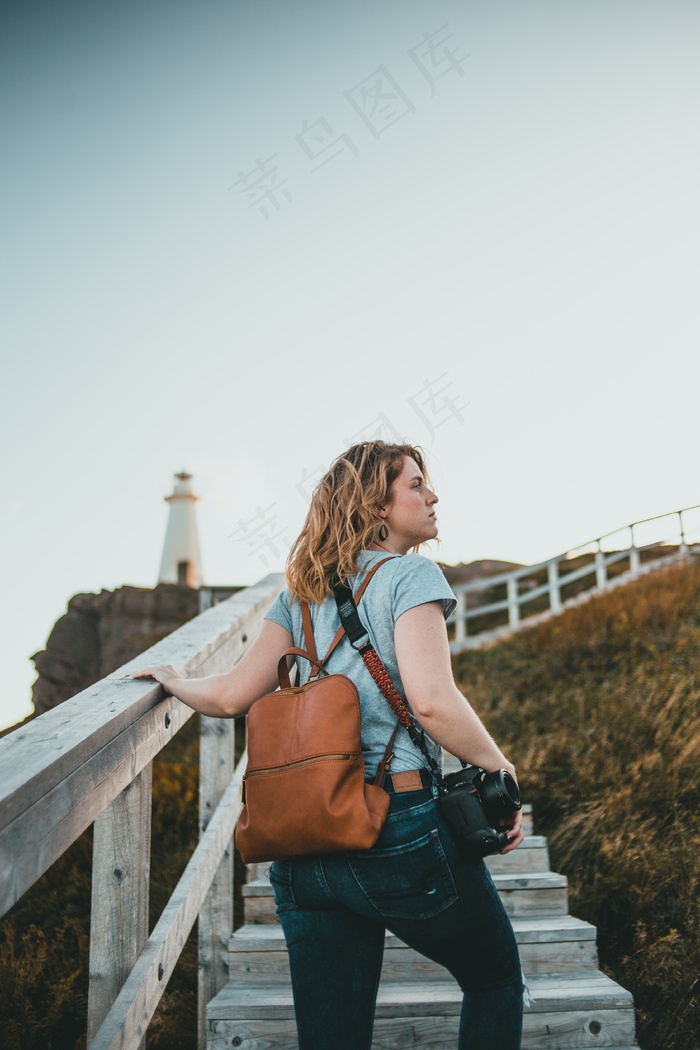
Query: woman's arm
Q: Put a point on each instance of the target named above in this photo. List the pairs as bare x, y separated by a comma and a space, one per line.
423, 654
233, 693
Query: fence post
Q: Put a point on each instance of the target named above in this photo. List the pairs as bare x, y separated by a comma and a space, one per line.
634, 553
684, 545
216, 916
121, 854
601, 575
460, 616
513, 608
554, 595
206, 598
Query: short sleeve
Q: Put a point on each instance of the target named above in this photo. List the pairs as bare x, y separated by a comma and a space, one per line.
279, 612
418, 580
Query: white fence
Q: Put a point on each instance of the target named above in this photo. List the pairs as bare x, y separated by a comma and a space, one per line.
89, 760
601, 563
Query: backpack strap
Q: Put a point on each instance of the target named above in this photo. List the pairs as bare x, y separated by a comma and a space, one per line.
383, 767
308, 632
308, 627
283, 670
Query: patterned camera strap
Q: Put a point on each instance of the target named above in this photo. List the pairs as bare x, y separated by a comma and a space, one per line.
353, 628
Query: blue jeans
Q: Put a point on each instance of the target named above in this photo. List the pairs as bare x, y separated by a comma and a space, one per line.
334, 909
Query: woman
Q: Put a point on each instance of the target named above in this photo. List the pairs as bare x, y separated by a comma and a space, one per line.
375, 504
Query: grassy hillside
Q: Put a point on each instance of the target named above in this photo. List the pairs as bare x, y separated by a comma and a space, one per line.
599, 710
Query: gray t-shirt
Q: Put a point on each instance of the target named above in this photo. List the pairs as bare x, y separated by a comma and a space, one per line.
401, 584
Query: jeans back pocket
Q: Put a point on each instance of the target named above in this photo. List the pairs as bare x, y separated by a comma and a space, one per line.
410, 881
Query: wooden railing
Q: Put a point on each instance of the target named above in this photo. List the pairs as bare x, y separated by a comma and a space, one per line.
589, 568
89, 760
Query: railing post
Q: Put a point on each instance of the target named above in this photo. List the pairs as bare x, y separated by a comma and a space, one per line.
216, 764
554, 595
121, 854
684, 545
206, 598
513, 608
634, 553
601, 575
460, 617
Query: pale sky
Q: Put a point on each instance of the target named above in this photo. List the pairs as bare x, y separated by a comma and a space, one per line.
239, 236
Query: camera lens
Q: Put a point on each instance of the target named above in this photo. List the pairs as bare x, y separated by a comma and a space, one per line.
500, 794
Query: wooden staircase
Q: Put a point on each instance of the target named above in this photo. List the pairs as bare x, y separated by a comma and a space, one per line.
419, 1002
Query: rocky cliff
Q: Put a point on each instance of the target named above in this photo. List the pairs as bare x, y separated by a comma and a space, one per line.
100, 632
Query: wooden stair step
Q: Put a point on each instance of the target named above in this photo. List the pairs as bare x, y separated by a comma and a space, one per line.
585, 1009
551, 992
555, 944
548, 944
531, 855
543, 928
522, 893
533, 893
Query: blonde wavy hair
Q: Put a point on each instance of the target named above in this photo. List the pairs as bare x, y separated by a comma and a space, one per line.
344, 515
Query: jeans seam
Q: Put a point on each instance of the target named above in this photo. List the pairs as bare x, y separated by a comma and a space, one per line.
284, 887
367, 899
410, 811
323, 879
374, 1013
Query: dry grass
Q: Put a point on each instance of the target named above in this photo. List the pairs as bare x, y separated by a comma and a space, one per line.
600, 710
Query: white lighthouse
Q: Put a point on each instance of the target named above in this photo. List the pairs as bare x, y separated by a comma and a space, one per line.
181, 562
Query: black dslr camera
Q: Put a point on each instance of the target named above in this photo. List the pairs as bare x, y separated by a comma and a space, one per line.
473, 805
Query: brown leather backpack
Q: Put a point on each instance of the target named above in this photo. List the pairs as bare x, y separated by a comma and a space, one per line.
304, 791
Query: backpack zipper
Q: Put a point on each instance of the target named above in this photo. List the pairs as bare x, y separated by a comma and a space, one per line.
302, 762
344, 757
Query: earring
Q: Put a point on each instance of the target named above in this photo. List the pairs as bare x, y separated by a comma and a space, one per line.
383, 532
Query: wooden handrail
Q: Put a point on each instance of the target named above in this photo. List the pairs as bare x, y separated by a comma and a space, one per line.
89, 760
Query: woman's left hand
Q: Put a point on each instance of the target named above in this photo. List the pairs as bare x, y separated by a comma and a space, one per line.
163, 673
515, 834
